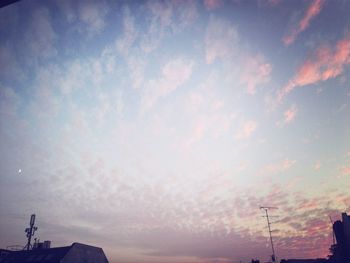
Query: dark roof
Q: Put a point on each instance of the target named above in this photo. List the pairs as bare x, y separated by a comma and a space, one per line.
75, 253
317, 260
51, 255
7, 2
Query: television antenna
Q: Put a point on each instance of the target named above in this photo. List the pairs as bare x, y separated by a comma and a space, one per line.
30, 231
330, 218
266, 209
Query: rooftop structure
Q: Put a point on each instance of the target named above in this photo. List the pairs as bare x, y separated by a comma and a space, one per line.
341, 250
76, 253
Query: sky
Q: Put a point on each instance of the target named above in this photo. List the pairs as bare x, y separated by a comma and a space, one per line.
156, 129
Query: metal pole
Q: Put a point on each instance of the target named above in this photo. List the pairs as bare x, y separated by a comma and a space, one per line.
270, 232
30, 231
268, 224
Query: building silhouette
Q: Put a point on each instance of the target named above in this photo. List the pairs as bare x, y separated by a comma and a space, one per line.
76, 253
341, 250
317, 260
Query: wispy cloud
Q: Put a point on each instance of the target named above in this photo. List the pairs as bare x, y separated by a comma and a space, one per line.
136, 65
213, 4
323, 65
345, 171
256, 72
85, 16
246, 130
207, 112
9, 64
93, 14
221, 40
9, 103
289, 116
40, 37
312, 11
129, 33
174, 74
278, 167
317, 165
166, 18
214, 124
161, 15
273, 2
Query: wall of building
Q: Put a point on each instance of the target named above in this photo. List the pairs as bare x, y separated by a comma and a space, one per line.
84, 253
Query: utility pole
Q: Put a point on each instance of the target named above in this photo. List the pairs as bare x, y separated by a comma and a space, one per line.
266, 208
330, 218
30, 231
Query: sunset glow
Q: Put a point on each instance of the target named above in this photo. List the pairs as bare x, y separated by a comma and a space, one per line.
157, 129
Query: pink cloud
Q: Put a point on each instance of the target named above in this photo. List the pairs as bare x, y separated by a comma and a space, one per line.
136, 65
161, 15
309, 204
273, 2
130, 33
214, 124
270, 3
313, 10
220, 40
199, 129
174, 74
346, 171
256, 72
246, 130
290, 114
213, 4
317, 165
166, 17
93, 15
278, 167
293, 182
324, 64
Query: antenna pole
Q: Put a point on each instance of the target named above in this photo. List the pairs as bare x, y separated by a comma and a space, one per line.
330, 218
266, 208
30, 231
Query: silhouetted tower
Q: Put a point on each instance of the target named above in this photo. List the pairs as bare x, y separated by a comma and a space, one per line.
30, 231
266, 208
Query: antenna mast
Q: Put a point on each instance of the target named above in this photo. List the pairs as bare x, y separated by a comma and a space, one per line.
266, 208
330, 218
30, 231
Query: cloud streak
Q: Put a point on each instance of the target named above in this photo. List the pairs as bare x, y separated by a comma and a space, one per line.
40, 37
213, 4
221, 40
279, 167
256, 72
174, 74
289, 116
246, 130
129, 35
312, 11
324, 64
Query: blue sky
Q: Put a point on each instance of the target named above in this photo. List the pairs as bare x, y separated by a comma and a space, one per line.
156, 129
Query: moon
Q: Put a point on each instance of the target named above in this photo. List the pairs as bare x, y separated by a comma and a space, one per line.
19, 171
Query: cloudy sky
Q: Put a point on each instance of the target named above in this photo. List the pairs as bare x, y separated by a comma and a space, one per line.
156, 129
